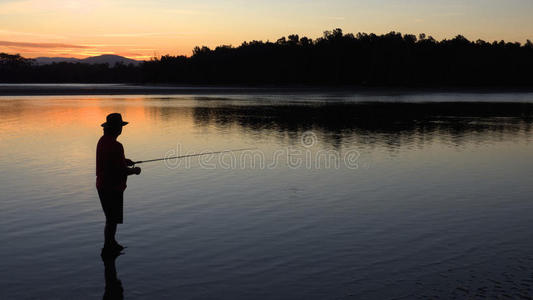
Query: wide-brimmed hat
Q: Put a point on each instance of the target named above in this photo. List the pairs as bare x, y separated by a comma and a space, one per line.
114, 120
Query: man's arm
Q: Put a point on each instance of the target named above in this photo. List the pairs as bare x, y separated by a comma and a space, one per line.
131, 171
127, 162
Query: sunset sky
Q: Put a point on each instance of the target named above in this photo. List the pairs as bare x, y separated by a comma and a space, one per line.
142, 29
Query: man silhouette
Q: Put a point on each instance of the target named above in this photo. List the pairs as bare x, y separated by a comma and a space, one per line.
112, 171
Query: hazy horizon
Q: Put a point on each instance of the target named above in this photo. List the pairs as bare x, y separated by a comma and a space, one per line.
140, 30
52, 55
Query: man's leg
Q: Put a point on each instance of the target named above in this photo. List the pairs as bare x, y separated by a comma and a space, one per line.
109, 233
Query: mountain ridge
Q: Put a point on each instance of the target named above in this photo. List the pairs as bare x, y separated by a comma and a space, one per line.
110, 59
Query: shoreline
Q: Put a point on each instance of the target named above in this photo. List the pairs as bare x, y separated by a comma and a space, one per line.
73, 89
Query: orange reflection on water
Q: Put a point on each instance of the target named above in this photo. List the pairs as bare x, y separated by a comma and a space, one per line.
34, 117
155, 125
86, 112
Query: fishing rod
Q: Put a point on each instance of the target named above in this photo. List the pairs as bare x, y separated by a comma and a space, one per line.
190, 155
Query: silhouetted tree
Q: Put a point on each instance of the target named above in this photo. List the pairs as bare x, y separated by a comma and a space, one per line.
333, 59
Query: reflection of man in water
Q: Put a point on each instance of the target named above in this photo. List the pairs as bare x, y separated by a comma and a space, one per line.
111, 174
113, 286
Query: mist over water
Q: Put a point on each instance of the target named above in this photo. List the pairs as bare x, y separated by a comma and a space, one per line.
363, 197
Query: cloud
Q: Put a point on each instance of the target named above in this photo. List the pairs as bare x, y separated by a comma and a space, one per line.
187, 12
40, 45
336, 18
30, 7
31, 34
136, 34
83, 7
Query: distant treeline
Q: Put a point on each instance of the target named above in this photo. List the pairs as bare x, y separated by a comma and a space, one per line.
334, 59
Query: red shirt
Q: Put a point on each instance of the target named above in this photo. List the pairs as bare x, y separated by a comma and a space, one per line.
111, 169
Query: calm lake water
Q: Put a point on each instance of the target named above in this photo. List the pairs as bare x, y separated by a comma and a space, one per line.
345, 197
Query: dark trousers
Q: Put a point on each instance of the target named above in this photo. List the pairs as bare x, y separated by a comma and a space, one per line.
113, 205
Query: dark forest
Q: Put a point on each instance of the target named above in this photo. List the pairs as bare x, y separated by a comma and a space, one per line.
335, 58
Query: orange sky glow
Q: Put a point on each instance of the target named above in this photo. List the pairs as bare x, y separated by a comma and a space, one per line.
144, 29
